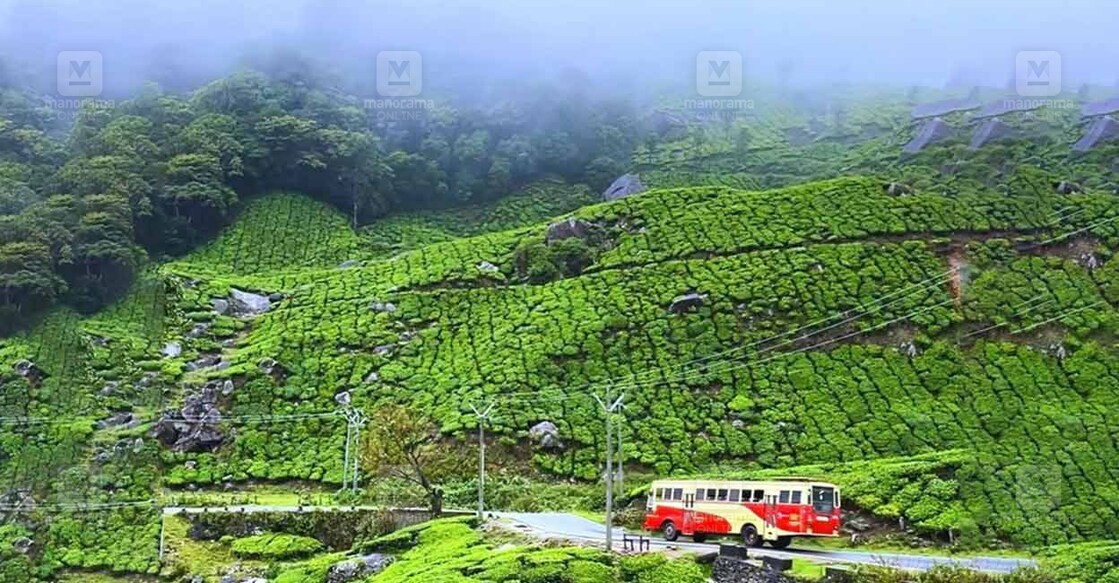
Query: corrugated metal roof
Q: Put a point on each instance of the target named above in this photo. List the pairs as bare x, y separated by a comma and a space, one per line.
939, 108
1005, 106
1102, 130
933, 131
990, 130
1099, 108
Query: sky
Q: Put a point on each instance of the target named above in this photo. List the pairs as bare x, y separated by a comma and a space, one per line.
620, 47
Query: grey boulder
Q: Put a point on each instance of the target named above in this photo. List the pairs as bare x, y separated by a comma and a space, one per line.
626, 185
248, 304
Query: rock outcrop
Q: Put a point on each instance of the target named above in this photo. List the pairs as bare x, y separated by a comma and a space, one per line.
194, 427
243, 304
352, 570
546, 435
686, 302
626, 185
568, 228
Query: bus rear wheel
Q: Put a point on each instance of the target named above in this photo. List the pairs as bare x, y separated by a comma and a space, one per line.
750, 536
782, 542
669, 530
699, 537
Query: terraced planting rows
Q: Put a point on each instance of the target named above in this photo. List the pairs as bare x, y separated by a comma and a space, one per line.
1008, 365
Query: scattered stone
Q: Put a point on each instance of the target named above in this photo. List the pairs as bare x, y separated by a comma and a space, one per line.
138, 445
172, 349
109, 388
488, 267
626, 185
24, 368
383, 307
686, 302
22, 545
1058, 350
908, 348
546, 435
117, 419
349, 263
362, 568
269, 366
1065, 187
372, 378
100, 341
227, 388
343, 398
728, 570
898, 189
1089, 261
205, 361
275, 296
220, 306
568, 228
243, 304
384, 350
198, 330
190, 464
194, 427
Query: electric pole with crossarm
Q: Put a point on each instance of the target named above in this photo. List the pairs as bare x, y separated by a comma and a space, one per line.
608, 409
482, 418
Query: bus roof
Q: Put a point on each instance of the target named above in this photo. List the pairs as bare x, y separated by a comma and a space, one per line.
783, 479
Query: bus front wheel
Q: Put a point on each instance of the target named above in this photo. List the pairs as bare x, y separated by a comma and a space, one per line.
670, 532
750, 536
782, 542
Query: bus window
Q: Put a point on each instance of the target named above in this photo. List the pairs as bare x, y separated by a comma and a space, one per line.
734, 495
823, 499
784, 499
699, 494
711, 494
759, 495
678, 494
796, 496
658, 494
722, 496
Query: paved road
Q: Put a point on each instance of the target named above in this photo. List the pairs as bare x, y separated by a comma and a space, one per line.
575, 528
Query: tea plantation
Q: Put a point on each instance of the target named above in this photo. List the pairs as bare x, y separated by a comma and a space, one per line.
949, 359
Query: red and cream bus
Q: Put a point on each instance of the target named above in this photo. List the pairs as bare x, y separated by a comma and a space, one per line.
774, 511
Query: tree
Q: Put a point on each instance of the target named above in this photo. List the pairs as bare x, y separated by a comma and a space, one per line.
402, 443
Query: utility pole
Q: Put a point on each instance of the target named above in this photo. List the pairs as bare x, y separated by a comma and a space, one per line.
608, 409
482, 417
355, 420
621, 460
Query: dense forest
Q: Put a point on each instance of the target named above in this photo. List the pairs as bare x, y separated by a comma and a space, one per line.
83, 208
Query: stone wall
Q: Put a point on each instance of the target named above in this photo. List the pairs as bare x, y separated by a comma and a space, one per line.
729, 570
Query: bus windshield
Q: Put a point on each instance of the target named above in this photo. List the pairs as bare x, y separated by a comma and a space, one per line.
823, 499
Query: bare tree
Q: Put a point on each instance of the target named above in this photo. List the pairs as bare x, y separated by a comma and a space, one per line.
402, 443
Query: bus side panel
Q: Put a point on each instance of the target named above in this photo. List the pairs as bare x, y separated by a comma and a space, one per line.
662, 513
712, 519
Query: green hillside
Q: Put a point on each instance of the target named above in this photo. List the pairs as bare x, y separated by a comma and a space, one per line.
831, 331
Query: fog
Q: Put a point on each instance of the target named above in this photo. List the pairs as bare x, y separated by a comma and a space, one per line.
483, 47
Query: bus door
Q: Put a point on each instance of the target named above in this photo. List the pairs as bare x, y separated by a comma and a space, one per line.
688, 528
770, 530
